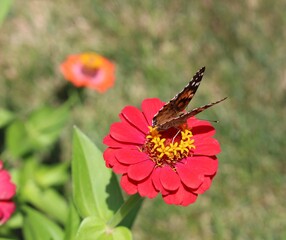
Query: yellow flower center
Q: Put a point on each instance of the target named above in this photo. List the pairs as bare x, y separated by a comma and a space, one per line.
168, 150
91, 60
91, 64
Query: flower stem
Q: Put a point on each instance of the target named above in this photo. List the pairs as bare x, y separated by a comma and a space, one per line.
123, 211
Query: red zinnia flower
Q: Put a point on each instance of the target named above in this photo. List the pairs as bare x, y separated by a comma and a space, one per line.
89, 70
179, 165
7, 191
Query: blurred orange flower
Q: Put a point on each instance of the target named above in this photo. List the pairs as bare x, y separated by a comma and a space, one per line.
89, 70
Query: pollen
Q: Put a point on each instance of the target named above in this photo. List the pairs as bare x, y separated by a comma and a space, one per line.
165, 148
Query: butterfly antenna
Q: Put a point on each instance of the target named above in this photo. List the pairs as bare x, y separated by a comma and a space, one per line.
214, 121
209, 105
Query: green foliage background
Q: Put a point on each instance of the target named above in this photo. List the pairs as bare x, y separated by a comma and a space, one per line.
157, 46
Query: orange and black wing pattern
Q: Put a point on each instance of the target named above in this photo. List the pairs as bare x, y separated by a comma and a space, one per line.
179, 103
172, 113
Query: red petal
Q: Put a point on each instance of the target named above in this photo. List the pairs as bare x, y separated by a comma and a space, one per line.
128, 186
205, 186
140, 171
4, 176
189, 198
207, 146
194, 122
169, 179
191, 177
109, 157
136, 118
201, 128
150, 107
156, 181
7, 189
174, 197
111, 142
129, 157
118, 167
205, 165
181, 197
147, 189
6, 210
156, 178
124, 132
203, 131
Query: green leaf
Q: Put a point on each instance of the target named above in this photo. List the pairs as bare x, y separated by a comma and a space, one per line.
17, 141
95, 188
5, 6
5, 115
121, 233
52, 175
7, 238
93, 228
130, 218
45, 124
49, 201
42, 128
37, 226
72, 224
126, 210
26, 174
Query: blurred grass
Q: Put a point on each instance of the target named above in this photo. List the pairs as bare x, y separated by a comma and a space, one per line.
157, 47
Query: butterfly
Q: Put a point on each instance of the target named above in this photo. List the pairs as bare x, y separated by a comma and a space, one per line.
172, 113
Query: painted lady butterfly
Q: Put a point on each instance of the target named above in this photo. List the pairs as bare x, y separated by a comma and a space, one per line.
172, 113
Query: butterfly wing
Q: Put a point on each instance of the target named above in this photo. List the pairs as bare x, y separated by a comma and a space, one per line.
183, 117
179, 103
